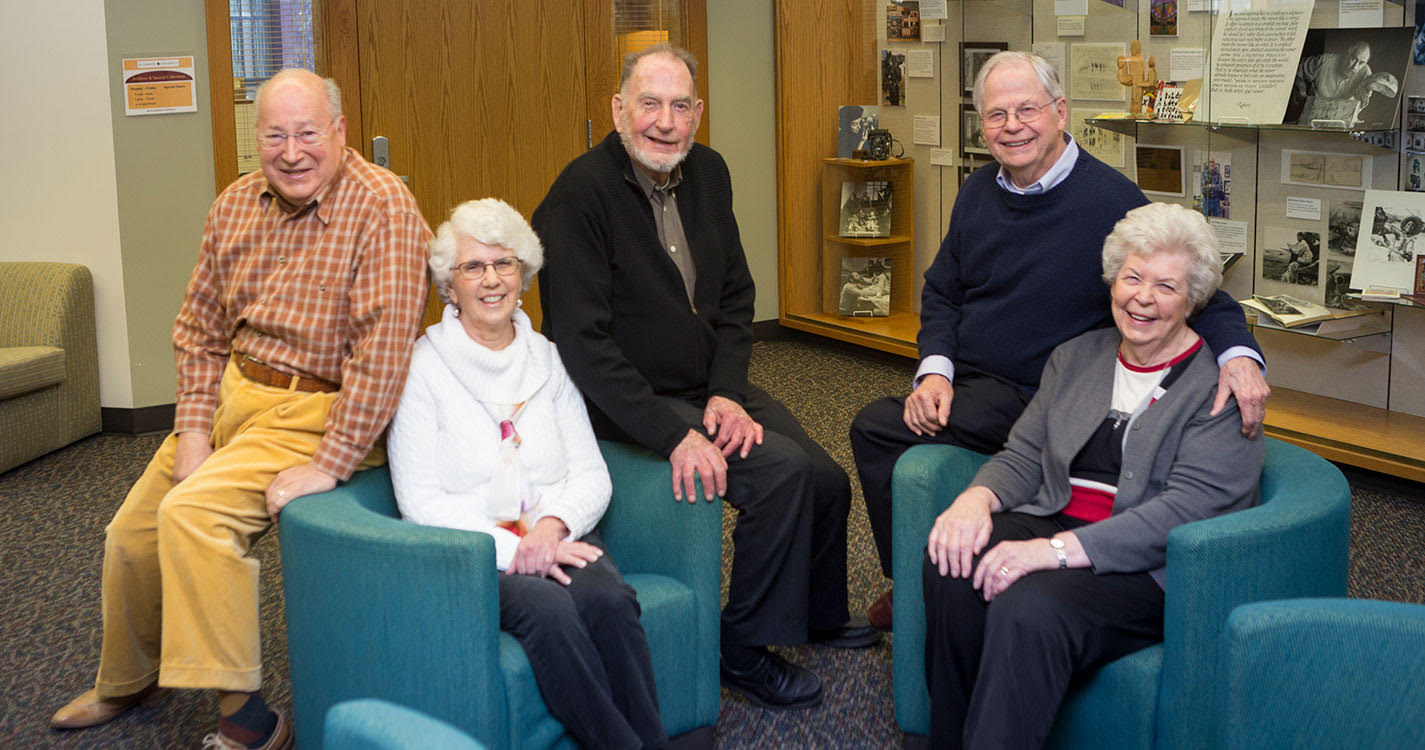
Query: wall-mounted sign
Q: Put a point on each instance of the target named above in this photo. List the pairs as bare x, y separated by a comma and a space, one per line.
159, 86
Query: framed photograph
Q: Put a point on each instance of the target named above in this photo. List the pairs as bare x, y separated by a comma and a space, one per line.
865, 287
1291, 257
1321, 169
854, 121
1414, 172
972, 57
1416, 104
1093, 71
1160, 169
972, 132
866, 209
1343, 225
1350, 78
892, 78
1163, 18
903, 21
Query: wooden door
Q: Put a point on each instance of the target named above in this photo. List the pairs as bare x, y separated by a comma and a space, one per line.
477, 99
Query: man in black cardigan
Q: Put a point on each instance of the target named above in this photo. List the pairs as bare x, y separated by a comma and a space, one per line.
647, 295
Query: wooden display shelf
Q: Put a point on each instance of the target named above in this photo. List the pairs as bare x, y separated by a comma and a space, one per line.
1389, 442
894, 239
894, 333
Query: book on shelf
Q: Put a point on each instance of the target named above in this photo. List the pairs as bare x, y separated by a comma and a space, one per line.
865, 287
1286, 311
1229, 260
866, 209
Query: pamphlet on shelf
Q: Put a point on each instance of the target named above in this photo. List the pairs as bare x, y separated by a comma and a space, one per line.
1292, 312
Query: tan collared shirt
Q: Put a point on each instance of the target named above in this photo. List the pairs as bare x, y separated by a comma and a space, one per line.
664, 199
334, 290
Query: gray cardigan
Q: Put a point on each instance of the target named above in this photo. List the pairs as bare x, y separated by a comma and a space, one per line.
1179, 465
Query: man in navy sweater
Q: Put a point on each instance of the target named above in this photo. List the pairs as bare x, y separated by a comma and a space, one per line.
648, 298
1019, 273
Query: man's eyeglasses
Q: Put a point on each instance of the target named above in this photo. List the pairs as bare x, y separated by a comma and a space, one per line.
1026, 115
274, 141
474, 269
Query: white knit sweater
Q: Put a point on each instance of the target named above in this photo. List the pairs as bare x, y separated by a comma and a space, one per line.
443, 442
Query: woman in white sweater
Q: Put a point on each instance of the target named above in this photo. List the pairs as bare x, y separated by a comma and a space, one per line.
492, 436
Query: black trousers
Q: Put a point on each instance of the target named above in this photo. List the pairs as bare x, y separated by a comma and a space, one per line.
982, 412
789, 558
998, 672
588, 652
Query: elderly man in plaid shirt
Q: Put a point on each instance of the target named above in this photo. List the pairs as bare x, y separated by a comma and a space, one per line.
292, 347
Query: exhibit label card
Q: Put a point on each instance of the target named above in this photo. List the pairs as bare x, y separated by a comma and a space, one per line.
1231, 235
1254, 56
926, 130
920, 63
1051, 51
933, 9
1070, 25
942, 157
1361, 14
1303, 208
1185, 63
932, 32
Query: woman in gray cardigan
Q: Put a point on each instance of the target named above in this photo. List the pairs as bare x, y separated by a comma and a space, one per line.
1052, 562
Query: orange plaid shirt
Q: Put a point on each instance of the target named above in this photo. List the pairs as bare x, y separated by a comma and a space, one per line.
335, 290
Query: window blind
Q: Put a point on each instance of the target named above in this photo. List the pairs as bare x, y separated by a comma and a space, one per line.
267, 36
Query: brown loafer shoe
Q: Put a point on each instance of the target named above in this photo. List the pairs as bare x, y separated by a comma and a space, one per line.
89, 710
879, 614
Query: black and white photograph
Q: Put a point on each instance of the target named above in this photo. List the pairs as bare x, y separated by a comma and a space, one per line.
892, 78
865, 209
972, 132
1385, 255
1349, 78
1338, 283
972, 57
865, 287
1343, 225
854, 122
1292, 257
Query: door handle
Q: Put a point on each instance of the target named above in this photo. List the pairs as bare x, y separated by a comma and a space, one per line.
381, 155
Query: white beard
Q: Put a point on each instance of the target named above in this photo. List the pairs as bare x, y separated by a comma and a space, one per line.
657, 164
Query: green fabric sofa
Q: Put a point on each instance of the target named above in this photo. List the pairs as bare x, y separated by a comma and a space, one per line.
381, 608
1294, 544
49, 359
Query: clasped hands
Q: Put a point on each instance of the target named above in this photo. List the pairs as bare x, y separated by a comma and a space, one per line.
963, 530
543, 550
732, 430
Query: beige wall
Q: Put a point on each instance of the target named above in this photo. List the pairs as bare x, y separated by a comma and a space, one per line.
742, 111
164, 169
57, 179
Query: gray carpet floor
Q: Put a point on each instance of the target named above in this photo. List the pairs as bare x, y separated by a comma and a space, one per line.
53, 511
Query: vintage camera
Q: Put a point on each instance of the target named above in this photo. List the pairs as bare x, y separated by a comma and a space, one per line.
878, 144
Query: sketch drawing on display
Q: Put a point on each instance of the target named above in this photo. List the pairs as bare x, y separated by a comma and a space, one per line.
892, 78
1318, 169
1104, 144
855, 121
1093, 71
972, 132
1349, 78
865, 287
1385, 255
1343, 224
972, 57
1292, 257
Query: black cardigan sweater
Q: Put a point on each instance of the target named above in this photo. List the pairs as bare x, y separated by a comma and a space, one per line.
615, 305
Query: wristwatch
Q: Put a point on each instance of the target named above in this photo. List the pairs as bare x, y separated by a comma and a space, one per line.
1058, 545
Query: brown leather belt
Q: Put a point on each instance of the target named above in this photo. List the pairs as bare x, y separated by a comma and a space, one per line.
258, 372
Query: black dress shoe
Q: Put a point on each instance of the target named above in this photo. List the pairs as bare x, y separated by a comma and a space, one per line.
774, 683
856, 633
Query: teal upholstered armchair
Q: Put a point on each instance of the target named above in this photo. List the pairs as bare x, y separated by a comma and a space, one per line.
381, 608
373, 724
1292, 545
1323, 673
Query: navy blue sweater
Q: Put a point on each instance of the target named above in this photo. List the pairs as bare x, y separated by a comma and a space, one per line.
1017, 275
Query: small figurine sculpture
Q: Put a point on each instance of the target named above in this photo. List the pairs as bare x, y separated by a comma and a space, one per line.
1141, 80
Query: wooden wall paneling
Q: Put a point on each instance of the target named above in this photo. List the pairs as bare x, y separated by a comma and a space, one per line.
334, 25
601, 66
220, 92
825, 57
695, 40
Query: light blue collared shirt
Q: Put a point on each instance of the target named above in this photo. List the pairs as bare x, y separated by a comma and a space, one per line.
939, 364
